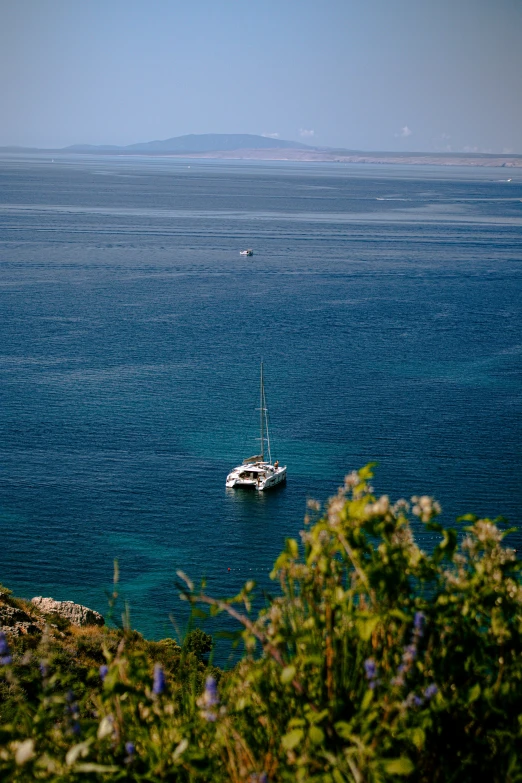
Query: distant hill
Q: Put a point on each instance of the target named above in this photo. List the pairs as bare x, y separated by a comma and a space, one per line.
206, 142
248, 146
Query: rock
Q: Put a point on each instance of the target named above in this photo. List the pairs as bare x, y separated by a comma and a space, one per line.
16, 622
74, 613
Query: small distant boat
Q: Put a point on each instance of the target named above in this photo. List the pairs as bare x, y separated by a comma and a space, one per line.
256, 472
248, 252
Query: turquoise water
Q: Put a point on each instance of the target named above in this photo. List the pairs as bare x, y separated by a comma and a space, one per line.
385, 303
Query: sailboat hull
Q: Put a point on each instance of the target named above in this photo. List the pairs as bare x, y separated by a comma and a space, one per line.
260, 476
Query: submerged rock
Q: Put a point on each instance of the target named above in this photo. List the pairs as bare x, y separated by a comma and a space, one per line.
74, 613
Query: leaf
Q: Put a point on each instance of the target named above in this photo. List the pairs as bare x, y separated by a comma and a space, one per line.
296, 722
400, 766
343, 730
181, 748
366, 626
292, 548
288, 674
467, 518
92, 767
313, 660
292, 739
418, 737
316, 735
74, 753
279, 565
367, 471
400, 615
184, 578
356, 507
450, 539
314, 717
447, 546
367, 699
474, 693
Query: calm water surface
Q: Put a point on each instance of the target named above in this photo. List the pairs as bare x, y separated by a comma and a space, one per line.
384, 301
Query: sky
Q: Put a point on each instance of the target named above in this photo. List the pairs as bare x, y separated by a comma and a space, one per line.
383, 75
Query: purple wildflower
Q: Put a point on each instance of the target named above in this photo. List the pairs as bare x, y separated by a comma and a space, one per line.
104, 670
44, 669
210, 696
370, 668
159, 683
410, 652
131, 750
262, 777
430, 691
209, 699
4, 647
412, 700
73, 711
5, 653
418, 623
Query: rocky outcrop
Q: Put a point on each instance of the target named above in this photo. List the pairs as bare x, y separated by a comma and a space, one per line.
74, 613
17, 622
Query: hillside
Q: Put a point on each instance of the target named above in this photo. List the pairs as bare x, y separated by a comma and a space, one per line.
197, 143
246, 146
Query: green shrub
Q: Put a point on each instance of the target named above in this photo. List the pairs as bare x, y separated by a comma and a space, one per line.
376, 661
199, 643
58, 621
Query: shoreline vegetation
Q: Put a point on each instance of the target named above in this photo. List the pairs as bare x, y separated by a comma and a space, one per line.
374, 661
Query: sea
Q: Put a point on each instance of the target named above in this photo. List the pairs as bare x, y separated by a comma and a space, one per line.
384, 301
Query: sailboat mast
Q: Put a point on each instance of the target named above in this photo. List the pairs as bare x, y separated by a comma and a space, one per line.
261, 414
266, 428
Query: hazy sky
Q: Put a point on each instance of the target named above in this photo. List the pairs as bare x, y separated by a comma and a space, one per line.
360, 74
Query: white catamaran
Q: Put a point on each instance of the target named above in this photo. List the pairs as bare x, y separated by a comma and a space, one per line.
255, 472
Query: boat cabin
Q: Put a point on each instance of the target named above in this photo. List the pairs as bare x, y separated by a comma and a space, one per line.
253, 472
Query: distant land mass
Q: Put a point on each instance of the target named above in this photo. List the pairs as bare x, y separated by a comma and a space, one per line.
193, 143
245, 146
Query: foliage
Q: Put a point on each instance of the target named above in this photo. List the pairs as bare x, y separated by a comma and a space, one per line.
376, 661
200, 643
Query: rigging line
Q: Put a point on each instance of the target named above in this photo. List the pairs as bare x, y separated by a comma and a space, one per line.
267, 423
261, 413
267, 429
251, 430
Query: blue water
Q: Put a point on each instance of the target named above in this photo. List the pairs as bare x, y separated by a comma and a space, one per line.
385, 302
